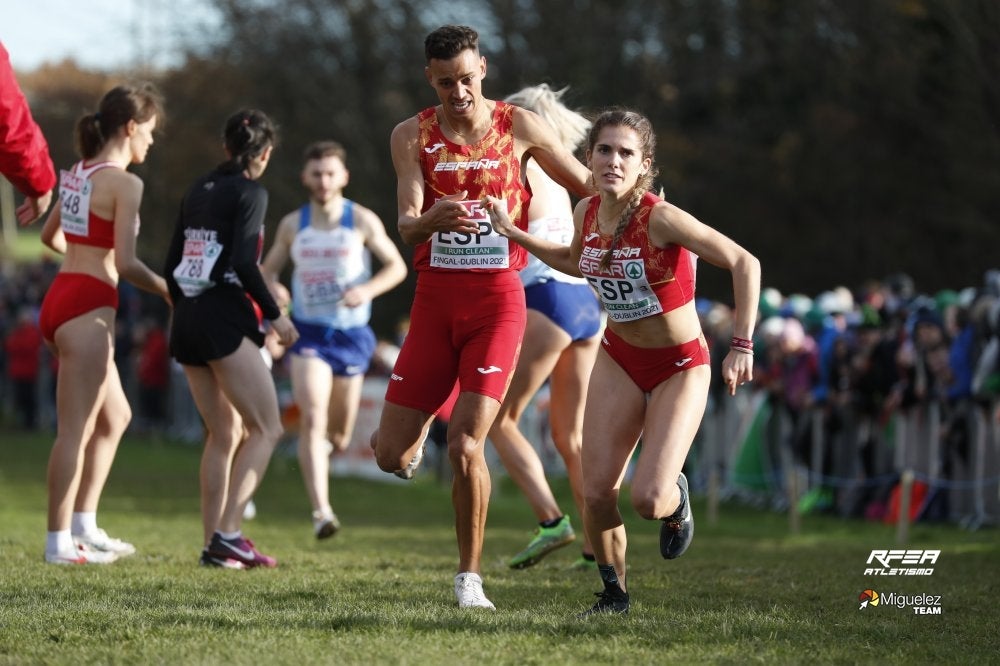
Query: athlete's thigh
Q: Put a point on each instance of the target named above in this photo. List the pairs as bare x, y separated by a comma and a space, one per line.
472, 417
676, 407
612, 423
248, 385
219, 414
84, 347
312, 382
400, 429
568, 385
427, 365
491, 343
543, 343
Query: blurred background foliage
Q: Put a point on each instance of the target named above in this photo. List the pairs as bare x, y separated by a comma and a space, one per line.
837, 140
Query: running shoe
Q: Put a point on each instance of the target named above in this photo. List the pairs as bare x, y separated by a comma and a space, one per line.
546, 540
240, 549
100, 541
209, 560
583, 564
677, 530
408, 471
469, 590
58, 558
250, 510
325, 524
84, 555
612, 600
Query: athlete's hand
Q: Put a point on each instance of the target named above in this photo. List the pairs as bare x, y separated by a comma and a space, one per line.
33, 208
287, 333
737, 369
355, 296
448, 214
497, 210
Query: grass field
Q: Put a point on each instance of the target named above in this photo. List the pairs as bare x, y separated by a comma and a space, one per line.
380, 591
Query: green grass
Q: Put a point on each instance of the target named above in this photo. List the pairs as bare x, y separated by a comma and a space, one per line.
380, 591
27, 245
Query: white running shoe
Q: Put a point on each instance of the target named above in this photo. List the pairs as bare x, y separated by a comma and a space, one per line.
408, 471
57, 558
99, 541
84, 555
325, 524
469, 590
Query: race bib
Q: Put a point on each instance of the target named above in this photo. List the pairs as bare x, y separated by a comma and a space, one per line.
461, 250
626, 293
195, 268
74, 206
320, 291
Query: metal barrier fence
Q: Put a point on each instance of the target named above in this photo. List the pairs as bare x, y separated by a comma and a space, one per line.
913, 464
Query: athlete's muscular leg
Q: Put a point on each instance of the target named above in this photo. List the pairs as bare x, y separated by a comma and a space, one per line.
345, 400
470, 491
611, 426
224, 432
84, 348
112, 420
249, 386
401, 432
674, 413
540, 350
568, 397
312, 383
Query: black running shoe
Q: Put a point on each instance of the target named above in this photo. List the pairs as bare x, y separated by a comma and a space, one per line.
612, 600
677, 530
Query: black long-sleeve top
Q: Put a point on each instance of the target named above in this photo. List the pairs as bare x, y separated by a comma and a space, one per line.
219, 238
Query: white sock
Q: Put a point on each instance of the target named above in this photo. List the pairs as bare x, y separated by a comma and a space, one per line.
229, 536
84, 522
59, 542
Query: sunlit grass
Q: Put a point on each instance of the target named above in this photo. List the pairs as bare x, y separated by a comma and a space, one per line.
381, 590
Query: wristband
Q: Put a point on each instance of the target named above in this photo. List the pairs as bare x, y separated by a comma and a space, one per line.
741, 343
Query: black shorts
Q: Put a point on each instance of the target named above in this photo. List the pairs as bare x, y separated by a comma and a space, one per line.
212, 326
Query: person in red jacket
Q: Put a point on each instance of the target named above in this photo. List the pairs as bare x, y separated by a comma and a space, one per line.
22, 346
24, 153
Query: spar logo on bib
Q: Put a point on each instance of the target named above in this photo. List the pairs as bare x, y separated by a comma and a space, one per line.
633, 269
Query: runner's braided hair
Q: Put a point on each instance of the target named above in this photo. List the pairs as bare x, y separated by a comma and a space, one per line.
647, 144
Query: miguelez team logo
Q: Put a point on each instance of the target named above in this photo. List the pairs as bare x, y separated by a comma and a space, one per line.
868, 597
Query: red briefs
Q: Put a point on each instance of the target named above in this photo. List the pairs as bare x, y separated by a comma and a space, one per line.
467, 326
650, 366
71, 295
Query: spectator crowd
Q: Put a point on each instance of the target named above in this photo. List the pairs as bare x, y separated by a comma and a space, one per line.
850, 388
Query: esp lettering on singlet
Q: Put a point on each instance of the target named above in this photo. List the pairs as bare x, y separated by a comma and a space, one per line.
459, 249
201, 251
624, 287
642, 280
487, 167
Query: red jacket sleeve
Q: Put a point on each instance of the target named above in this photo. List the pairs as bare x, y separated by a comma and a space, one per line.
24, 153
